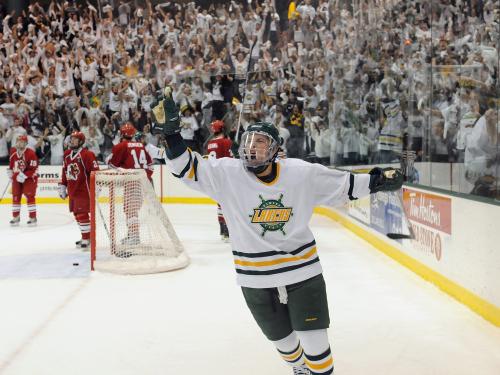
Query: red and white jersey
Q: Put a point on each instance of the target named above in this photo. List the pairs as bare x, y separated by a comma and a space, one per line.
131, 155
25, 162
219, 148
77, 166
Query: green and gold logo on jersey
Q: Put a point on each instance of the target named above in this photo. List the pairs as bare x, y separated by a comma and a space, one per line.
271, 215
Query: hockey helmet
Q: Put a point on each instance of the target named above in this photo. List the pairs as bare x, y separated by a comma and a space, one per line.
128, 130
217, 126
21, 142
139, 136
78, 136
259, 146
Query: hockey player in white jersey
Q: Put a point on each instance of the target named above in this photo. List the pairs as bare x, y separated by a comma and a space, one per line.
268, 204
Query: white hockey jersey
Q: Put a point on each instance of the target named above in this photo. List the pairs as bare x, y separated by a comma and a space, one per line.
268, 222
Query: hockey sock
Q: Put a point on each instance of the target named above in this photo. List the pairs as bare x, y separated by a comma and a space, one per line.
31, 206
290, 350
16, 209
225, 231
220, 218
83, 221
16, 205
318, 356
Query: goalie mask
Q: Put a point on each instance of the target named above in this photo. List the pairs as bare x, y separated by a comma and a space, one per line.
76, 140
21, 142
259, 146
127, 130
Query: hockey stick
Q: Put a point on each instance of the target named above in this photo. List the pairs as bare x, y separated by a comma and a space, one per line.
5, 190
407, 160
104, 221
245, 94
401, 236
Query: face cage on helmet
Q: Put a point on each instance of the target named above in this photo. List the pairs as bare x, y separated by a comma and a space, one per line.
72, 146
21, 144
266, 156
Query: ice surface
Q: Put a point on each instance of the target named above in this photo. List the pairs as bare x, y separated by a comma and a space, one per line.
56, 318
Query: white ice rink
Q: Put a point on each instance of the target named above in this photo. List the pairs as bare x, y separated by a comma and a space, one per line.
56, 318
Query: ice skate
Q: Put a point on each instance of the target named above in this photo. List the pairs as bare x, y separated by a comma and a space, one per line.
83, 244
301, 370
31, 222
15, 221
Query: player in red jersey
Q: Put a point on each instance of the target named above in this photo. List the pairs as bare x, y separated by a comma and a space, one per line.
131, 154
219, 147
23, 165
78, 163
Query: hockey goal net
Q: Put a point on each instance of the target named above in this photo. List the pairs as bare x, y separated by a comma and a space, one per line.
130, 231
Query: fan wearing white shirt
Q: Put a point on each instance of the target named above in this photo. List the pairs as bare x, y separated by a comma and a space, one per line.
88, 68
482, 158
4, 149
16, 130
56, 140
188, 126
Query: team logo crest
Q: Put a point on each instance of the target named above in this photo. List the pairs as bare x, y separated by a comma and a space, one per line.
72, 172
20, 165
271, 215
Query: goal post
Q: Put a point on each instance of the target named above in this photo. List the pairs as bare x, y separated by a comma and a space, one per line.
130, 231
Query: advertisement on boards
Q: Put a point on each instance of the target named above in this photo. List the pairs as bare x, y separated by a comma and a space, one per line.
385, 212
430, 217
360, 210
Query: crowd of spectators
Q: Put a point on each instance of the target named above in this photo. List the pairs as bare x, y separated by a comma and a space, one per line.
346, 82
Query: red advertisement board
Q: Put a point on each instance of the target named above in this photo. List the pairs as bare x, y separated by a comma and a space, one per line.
430, 216
431, 210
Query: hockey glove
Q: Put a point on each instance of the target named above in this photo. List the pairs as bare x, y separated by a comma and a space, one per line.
387, 179
9, 174
63, 192
165, 114
21, 177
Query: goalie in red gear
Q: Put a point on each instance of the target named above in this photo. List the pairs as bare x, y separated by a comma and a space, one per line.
78, 163
131, 154
23, 165
219, 146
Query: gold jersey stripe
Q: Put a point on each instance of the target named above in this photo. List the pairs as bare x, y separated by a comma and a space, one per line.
321, 366
292, 357
390, 139
266, 263
191, 172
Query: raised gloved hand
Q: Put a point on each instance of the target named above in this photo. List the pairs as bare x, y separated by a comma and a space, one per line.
21, 177
63, 191
9, 173
165, 114
387, 179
